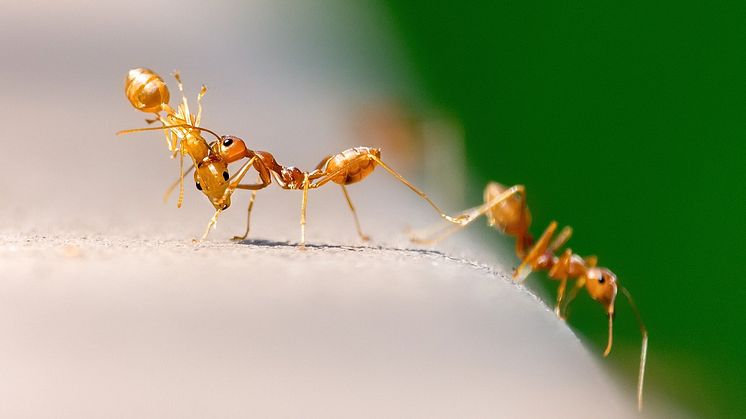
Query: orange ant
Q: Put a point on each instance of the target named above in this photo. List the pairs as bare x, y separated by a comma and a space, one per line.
506, 210
147, 92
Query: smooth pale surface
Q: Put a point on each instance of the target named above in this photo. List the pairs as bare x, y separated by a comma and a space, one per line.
112, 326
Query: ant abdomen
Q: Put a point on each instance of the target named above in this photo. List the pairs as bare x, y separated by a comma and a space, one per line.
352, 165
146, 90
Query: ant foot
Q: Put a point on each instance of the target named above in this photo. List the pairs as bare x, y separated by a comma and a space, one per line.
559, 314
239, 238
461, 219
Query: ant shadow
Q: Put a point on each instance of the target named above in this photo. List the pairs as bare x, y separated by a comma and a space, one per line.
327, 246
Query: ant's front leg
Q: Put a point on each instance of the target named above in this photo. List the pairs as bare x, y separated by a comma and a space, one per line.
579, 284
234, 183
265, 179
213, 222
469, 215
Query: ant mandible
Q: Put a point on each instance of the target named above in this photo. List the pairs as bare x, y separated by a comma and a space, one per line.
148, 92
506, 210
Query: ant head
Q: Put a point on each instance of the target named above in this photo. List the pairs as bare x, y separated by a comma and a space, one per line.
230, 148
146, 90
602, 287
211, 177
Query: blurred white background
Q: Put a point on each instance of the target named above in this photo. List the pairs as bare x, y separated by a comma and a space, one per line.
291, 78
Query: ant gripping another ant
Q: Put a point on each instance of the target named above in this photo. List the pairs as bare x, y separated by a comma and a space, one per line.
148, 93
506, 210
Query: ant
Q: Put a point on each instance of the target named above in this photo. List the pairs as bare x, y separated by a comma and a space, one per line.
148, 92
506, 210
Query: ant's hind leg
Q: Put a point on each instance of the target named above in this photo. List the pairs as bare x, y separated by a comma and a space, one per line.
461, 219
360, 233
469, 216
184, 103
248, 218
436, 233
200, 95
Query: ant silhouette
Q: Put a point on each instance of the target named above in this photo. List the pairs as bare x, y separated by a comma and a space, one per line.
506, 211
148, 92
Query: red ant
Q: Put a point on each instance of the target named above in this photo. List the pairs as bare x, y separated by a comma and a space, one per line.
506, 210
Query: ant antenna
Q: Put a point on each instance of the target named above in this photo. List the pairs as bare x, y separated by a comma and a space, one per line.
130, 131
643, 348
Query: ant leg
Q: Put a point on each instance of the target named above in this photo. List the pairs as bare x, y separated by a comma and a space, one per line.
437, 233
591, 261
559, 271
560, 295
456, 220
472, 214
228, 192
180, 200
173, 186
561, 239
248, 218
235, 180
253, 188
303, 206
579, 284
200, 95
536, 251
213, 222
184, 104
360, 233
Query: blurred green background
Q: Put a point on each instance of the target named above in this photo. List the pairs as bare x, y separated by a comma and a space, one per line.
626, 121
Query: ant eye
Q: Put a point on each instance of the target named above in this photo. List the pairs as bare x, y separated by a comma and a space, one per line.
227, 142
601, 280
199, 186
226, 175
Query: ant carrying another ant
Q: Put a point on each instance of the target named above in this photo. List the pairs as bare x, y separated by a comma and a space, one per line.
148, 93
506, 211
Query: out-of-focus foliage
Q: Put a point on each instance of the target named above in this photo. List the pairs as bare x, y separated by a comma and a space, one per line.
628, 122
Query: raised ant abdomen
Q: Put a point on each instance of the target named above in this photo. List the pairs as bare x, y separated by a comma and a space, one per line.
146, 91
